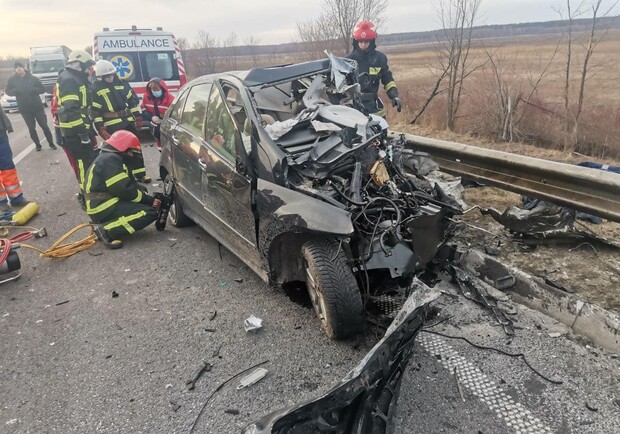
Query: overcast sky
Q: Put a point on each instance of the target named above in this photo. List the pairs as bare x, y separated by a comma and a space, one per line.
28, 23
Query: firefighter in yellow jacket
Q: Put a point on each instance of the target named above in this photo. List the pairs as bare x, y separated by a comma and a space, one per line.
116, 107
114, 201
74, 101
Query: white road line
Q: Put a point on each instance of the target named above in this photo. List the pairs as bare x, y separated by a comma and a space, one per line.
516, 416
25, 152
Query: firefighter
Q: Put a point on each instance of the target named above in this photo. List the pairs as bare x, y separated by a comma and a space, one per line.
155, 101
114, 201
115, 108
373, 68
73, 98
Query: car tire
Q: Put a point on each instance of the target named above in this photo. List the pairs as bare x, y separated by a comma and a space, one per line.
333, 289
176, 215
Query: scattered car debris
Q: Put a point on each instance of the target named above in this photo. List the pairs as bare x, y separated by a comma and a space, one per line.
212, 315
218, 388
239, 280
555, 334
216, 353
591, 407
458, 384
175, 406
505, 282
364, 400
63, 302
232, 411
205, 367
95, 253
539, 222
477, 290
252, 378
114, 294
221, 284
556, 285
210, 330
252, 323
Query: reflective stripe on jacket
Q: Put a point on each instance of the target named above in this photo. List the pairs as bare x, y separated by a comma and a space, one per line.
73, 101
109, 174
111, 98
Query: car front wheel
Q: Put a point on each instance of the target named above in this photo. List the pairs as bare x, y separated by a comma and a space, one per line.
333, 290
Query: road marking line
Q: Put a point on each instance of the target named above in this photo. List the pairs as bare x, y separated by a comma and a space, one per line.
515, 415
25, 152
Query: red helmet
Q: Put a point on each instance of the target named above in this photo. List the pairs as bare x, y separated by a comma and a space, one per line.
364, 31
124, 141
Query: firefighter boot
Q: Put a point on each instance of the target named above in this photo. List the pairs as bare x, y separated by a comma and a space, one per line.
104, 237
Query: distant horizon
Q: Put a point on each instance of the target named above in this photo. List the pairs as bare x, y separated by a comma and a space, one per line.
269, 22
481, 26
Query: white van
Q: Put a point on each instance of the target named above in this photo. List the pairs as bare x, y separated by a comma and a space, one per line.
141, 54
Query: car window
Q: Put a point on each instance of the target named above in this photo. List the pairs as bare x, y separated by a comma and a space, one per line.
195, 109
239, 112
221, 131
177, 109
159, 64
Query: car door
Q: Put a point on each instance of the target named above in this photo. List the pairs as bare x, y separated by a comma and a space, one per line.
187, 138
227, 190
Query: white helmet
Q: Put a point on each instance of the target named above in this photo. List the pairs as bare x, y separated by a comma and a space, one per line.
104, 67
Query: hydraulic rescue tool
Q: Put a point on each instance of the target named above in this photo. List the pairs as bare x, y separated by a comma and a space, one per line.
166, 198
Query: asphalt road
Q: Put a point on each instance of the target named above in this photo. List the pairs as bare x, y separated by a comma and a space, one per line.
75, 359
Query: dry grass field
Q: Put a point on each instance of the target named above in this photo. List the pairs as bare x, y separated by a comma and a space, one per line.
520, 62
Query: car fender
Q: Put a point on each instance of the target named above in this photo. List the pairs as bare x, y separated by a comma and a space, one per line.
288, 218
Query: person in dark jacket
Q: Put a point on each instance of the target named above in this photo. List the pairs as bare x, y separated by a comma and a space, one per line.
373, 69
10, 187
114, 201
74, 101
26, 88
155, 102
115, 108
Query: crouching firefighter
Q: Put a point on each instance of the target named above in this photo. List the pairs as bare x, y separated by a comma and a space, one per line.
114, 201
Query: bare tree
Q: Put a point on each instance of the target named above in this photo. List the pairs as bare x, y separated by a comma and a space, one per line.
572, 115
231, 44
203, 58
183, 44
338, 20
252, 42
514, 91
453, 51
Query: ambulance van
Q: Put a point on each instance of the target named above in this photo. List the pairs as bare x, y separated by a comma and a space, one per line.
141, 54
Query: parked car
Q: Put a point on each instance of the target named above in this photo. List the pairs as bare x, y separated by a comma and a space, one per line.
284, 168
9, 103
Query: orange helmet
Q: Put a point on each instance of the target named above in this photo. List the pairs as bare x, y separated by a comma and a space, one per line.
364, 31
124, 141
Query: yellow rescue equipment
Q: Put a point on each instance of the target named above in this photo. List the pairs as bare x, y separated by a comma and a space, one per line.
23, 216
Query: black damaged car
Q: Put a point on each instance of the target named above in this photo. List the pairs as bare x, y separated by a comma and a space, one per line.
284, 168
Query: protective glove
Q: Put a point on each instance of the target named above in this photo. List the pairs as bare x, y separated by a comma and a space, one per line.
85, 139
156, 120
156, 203
396, 103
104, 133
139, 123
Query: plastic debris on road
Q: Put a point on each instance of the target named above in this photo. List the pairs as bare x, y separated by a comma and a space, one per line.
252, 323
252, 378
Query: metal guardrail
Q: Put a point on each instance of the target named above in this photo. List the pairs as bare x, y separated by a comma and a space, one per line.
584, 189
